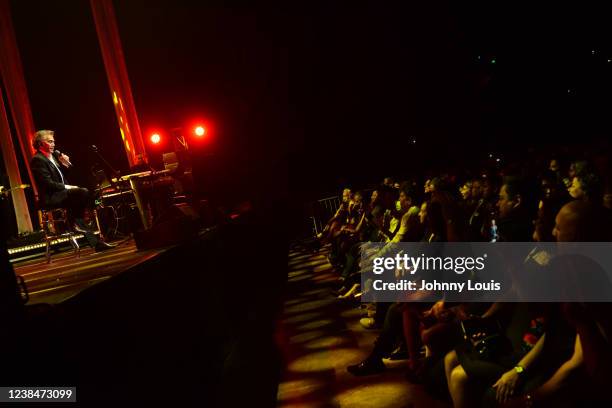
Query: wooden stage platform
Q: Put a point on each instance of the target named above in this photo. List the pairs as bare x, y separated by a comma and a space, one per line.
67, 275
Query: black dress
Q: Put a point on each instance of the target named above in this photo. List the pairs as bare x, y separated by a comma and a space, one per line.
516, 324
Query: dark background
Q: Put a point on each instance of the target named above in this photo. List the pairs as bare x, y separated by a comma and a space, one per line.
303, 97
310, 95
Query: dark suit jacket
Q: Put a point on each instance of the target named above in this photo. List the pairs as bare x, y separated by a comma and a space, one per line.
52, 192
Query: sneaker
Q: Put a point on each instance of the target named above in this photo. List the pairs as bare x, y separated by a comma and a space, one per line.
368, 323
368, 366
399, 354
350, 293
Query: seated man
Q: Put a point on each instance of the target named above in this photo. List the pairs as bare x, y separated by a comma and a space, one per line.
53, 190
585, 375
517, 208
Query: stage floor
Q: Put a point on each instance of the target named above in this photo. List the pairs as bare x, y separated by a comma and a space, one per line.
67, 275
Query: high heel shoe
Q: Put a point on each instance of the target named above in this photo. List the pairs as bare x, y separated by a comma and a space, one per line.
351, 292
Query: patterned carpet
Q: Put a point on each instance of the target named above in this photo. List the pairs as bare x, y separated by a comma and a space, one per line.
320, 336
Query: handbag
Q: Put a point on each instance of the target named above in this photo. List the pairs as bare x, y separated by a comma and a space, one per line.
486, 338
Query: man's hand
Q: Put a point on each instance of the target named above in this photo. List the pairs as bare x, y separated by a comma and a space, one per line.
64, 159
506, 386
439, 312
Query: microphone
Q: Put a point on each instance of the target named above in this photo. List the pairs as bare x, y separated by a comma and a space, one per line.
58, 154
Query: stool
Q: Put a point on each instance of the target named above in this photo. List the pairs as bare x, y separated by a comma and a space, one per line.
54, 223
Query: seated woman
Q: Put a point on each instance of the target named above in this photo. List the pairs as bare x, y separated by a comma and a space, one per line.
354, 218
474, 366
434, 226
434, 326
351, 234
392, 215
561, 382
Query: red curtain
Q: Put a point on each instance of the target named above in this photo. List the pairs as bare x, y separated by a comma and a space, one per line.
15, 85
17, 95
116, 72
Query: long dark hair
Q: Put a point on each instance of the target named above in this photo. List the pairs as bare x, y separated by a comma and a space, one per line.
434, 221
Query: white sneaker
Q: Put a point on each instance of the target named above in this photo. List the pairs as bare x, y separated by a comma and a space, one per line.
368, 323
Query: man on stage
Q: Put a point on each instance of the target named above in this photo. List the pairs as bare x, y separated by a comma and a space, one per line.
54, 192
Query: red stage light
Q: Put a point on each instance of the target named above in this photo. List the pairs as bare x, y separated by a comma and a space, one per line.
155, 138
199, 131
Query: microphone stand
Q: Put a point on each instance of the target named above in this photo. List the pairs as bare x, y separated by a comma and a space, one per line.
116, 173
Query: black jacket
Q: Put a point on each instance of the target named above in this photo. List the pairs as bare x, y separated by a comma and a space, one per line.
52, 192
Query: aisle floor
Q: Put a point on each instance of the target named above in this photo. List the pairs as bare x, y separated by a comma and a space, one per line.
320, 336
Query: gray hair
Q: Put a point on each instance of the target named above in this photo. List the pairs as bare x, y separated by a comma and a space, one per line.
38, 137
